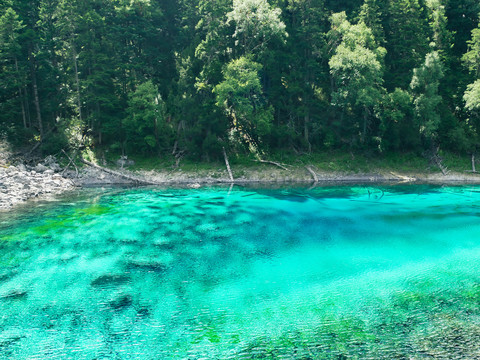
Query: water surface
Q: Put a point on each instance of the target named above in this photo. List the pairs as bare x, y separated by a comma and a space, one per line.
349, 272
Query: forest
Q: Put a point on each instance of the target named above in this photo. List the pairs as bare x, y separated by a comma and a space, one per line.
191, 77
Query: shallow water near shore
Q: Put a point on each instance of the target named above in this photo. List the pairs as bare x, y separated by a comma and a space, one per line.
349, 272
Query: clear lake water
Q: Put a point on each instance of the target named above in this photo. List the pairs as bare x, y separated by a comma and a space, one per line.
341, 272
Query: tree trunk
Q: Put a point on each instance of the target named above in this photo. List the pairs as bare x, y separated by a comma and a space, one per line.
36, 99
228, 165
306, 132
365, 119
20, 93
306, 100
99, 124
27, 108
77, 81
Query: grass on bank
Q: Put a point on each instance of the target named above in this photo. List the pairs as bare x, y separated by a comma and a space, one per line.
329, 161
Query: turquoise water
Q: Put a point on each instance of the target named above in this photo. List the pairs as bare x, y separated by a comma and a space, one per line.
327, 273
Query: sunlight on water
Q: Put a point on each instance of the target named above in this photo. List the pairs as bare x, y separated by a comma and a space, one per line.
327, 273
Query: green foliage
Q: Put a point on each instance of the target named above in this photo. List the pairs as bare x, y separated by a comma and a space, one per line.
145, 125
274, 75
424, 85
55, 143
371, 15
241, 96
12, 71
356, 69
472, 96
397, 129
407, 37
256, 23
472, 57
442, 36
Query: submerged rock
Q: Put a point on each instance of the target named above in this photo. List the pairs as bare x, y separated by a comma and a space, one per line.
6, 276
163, 243
150, 265
9, 337
121, 302
143, 312
14, 294
110, 280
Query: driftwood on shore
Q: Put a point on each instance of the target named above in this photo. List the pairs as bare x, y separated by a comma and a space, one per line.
134, 180
437, 160
313, 173
71, 162
271, 163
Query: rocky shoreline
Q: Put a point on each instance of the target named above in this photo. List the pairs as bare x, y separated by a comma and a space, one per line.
19, 184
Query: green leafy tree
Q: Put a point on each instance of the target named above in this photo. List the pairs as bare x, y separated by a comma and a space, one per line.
472, 94
398, 130
146, 125
356, 68
256, 24
472, 57
240, 95
424, 86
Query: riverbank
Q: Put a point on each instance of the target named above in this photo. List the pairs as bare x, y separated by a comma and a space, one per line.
308, 170
21, 183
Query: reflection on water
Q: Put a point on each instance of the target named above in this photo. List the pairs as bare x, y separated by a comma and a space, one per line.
327, 273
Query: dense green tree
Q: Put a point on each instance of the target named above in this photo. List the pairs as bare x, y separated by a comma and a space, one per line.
424, 86
13, 74
356, 68
146, 125
256, 24
371, 14
240, 95
398, 130
301, 78
472, 57
472, 94
442, 37
407, 37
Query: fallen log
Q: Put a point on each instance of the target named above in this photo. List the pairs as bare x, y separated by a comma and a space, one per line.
134, 180
272, 163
